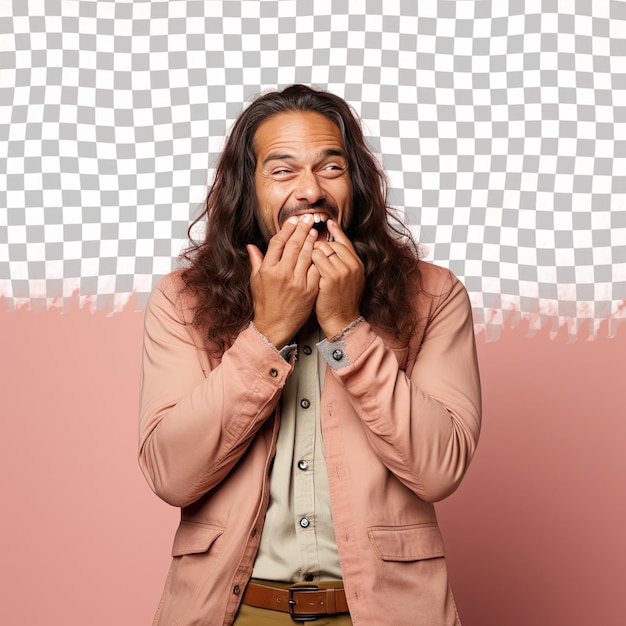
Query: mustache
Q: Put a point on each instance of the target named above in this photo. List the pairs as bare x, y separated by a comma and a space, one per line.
320, 206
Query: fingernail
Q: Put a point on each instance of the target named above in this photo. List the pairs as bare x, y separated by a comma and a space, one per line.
293, 220
307, 219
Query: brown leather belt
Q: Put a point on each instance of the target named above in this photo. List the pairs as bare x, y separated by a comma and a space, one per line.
302, 602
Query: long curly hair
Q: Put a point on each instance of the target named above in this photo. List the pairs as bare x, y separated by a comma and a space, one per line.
218, 271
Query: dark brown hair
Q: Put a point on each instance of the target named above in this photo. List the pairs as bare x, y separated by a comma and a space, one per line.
219, 269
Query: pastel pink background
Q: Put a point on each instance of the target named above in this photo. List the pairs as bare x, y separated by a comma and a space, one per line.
535, 535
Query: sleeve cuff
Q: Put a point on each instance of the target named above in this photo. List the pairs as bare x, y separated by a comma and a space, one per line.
288, 352
334, 349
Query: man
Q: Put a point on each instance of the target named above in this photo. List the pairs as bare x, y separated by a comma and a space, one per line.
309, 388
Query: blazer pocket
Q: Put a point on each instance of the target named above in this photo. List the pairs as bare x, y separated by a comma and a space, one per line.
192, 538
407, 543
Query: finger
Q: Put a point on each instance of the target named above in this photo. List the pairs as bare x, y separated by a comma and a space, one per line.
256, 258
313, 276
335, 255
326, 261
327, 248
304, 259
288, 242
277, 243
337, 234
342, 245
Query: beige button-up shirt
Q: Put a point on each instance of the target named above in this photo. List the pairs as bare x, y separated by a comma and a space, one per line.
298, 540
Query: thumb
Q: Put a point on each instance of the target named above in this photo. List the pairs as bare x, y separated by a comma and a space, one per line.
256, 258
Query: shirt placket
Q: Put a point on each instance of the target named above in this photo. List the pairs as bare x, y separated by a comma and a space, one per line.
307, 416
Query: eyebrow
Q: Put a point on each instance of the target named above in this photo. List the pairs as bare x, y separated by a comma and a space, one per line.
324, 154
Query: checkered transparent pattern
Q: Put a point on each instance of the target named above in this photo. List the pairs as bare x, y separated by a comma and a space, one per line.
502, 126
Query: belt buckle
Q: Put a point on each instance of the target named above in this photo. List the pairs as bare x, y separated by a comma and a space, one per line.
301, 617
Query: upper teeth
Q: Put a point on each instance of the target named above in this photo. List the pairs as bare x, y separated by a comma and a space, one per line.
317, 217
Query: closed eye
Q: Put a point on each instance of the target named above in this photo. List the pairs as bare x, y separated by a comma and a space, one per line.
282, 173
332, 170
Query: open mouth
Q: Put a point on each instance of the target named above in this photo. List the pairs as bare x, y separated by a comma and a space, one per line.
319, 224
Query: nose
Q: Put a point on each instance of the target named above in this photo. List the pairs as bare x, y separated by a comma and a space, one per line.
308, 188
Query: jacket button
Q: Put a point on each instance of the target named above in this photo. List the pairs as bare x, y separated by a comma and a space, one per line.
273, 373
337, 355
303, 465
307, 350
304, 403
304, 522
236, 590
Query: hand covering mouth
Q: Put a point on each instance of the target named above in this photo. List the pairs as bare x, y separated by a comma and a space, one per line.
321, 214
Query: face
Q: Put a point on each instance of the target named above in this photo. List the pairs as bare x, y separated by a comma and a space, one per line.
301, 168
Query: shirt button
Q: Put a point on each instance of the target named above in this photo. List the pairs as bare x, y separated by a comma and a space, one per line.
273, 373
304, 522
303, 465
236, 590
304, 403
337, 355
307, 350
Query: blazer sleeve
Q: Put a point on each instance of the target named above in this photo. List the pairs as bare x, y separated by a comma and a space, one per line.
424, 428
195, 423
